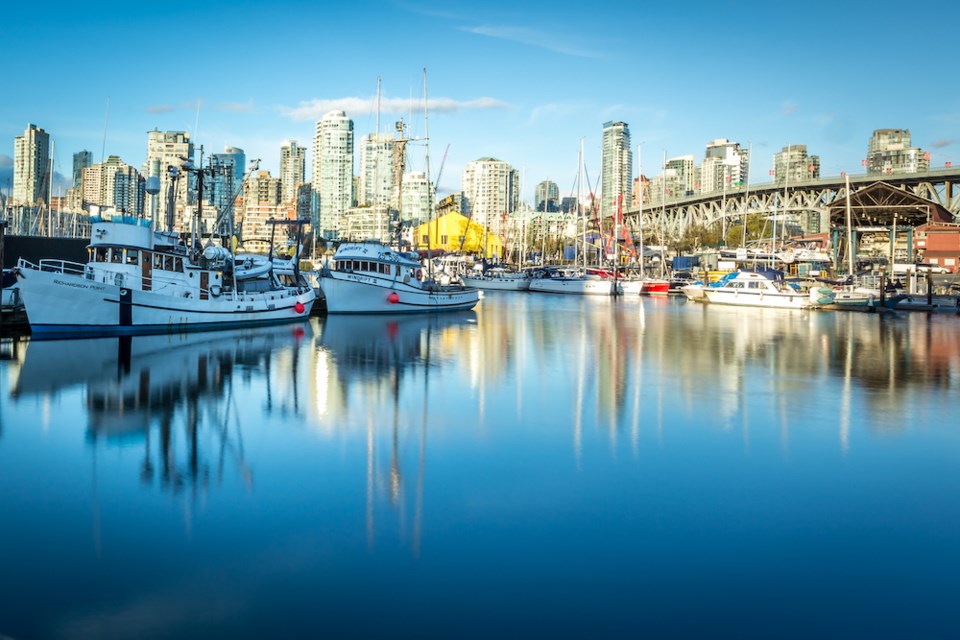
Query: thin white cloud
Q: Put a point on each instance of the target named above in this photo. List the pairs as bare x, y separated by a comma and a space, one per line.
160, 108
943, 142
355, 106
524, 35
789, 109
236, 107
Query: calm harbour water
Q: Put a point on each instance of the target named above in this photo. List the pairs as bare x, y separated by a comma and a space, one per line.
541, 466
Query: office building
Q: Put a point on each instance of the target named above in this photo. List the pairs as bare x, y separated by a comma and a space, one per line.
167, 149
113, 184
376, 171
81, 160
725, 166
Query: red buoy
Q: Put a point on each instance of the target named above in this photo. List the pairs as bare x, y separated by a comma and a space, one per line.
299, 308
393, 298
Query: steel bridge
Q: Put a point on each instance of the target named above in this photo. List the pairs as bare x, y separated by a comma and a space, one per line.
809, 203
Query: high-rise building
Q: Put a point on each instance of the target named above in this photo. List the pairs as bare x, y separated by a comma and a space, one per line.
491, 192
293, 170
376, 170
223, 186
113, 184
890, 152
417, 195
725, 166
239, 162
617, 160
793, 165
332, 172
166, 149
31, 159
81, 160
546, 196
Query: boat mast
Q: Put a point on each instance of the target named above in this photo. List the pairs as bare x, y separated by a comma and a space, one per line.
640, 216
663, 215
430, 207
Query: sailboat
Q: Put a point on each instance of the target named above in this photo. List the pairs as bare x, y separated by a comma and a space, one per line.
582, 281
653, 286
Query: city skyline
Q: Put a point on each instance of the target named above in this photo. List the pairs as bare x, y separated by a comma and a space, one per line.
517, 84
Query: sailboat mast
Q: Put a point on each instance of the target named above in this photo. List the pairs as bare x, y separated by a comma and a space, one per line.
640, 215
663, 215
376, 169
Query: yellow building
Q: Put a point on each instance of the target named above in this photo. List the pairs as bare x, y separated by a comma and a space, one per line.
446, 233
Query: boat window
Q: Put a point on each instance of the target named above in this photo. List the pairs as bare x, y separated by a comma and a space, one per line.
116, 255
145, 257
133, 256
179, 265
398, 270
100, 254
756, 285
157, 261
168, 263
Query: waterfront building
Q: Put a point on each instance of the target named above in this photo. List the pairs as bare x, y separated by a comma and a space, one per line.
304, 196
617, 166
890, 152
417, 195
293, 170
546, 196
332, 172
366, 223
450, 203
793, 165
452, 231
164, 150
376, 170
31, 159
490, 192
677, 180
725, 166
113, 184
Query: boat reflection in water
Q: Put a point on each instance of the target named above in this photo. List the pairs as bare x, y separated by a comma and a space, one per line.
131, 384
372, 357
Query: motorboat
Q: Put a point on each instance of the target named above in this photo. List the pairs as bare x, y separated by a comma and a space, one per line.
139, 280
765, 288
371, 277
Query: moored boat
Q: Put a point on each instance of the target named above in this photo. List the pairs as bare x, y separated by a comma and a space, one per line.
588, 284
138, 280
498, 278
371, 277
765, 288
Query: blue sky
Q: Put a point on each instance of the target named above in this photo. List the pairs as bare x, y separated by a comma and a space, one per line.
520, 81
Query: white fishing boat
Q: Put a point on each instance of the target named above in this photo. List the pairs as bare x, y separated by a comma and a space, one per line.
498, 278
765, 288
370, 277
138, 280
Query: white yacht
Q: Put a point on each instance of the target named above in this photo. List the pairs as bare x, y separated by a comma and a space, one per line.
138, 280
499, 278
370, 277
765, 288
592, 283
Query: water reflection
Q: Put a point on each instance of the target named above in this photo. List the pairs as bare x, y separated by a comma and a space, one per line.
163, 391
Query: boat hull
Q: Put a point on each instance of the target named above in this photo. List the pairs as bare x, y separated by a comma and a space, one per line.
573, 286
497, 284
743, 298
352, 293
61, 305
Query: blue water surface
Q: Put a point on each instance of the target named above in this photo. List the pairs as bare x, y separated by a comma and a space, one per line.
542, 466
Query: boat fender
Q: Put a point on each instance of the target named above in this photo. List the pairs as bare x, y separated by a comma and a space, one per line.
215, 291
419, 274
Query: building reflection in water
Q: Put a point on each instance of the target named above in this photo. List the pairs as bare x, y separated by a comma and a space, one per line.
175, 394
379, 362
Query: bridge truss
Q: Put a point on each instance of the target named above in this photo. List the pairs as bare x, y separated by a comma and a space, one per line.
806, 203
